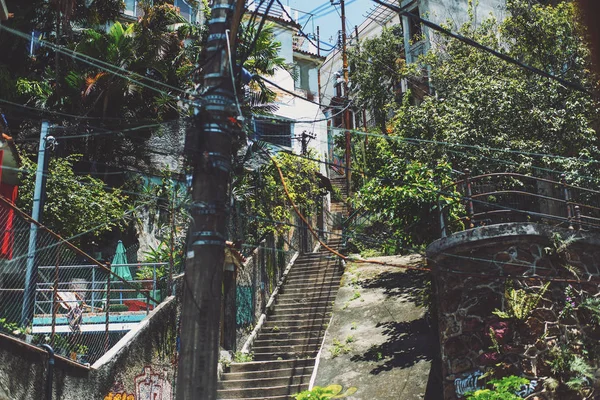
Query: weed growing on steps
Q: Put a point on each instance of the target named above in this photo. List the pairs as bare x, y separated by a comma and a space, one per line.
329, 392
340, 348
240, 357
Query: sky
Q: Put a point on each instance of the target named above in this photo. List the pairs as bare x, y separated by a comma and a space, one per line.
327, 17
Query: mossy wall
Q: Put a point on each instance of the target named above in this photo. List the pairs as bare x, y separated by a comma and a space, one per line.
517, 299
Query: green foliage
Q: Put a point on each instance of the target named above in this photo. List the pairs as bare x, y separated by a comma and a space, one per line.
317, 393
8, 327
240, 357
376, 70
164, 203
74, 203
338, 348
520, 302
570, 368
482, 102
118, 308
592, 304
329, 392
403, 197
267, 199
503, 389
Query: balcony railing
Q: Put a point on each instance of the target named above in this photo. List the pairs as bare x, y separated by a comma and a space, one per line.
509, 197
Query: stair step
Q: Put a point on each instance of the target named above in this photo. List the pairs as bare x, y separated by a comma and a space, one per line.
294, 329
288, 302
285, 355
299, 278
286, 342
271, 365
293, 310
261, 392
308, 293
306, 275
276, 373
300, 348
263, 382
295, 298
282, 335
296, 322
313, 268
294, 314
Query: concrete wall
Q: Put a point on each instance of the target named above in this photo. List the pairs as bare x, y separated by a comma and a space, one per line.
141, 366
472, 269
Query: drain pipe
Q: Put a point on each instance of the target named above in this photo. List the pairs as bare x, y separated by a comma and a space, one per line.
49, 377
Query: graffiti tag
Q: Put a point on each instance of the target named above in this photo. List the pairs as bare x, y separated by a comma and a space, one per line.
527, 389
151, 385
468, 384
119, 396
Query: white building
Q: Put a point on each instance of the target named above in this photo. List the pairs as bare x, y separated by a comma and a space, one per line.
297, 114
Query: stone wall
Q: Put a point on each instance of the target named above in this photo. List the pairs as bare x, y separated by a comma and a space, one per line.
141, 366
477, 271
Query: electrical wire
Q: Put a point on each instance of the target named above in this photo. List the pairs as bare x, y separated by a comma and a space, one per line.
302, 32
404, 266
473, 43
99, 64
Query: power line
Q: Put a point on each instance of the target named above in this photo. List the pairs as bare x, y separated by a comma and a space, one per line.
473, 43
301, 31
308, 225
98, 64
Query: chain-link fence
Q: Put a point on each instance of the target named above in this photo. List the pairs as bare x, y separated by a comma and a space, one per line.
263, 269
52, 292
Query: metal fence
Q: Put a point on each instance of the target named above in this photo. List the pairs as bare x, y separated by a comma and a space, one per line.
263, 269
52, 292
509, 197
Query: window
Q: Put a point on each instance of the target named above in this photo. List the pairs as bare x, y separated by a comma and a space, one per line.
130, 8
35, 43
187, 11
278, 132
415, 31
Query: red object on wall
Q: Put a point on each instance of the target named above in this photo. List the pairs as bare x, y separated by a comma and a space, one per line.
7, 216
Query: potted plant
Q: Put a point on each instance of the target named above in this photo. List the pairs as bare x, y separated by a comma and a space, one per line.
146, 275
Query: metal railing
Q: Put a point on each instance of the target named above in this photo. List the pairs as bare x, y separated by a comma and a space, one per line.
510, 197
53, 292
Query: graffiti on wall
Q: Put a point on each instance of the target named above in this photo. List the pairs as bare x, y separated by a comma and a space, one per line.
152, 385
526, 390
245, 307
119, 396
468, 384
149, 385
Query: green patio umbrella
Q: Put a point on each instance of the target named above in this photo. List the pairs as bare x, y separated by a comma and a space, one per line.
121, 258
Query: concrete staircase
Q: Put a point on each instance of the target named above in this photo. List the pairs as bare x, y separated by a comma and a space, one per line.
286, 347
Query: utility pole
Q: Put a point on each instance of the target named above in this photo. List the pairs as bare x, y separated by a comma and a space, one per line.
39, 195
364, 112
346, 113
212, 153
306, 137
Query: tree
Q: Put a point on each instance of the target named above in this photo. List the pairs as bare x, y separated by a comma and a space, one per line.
481, 101
377, 68
486, 115
150, 64
74, 204
265, 205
